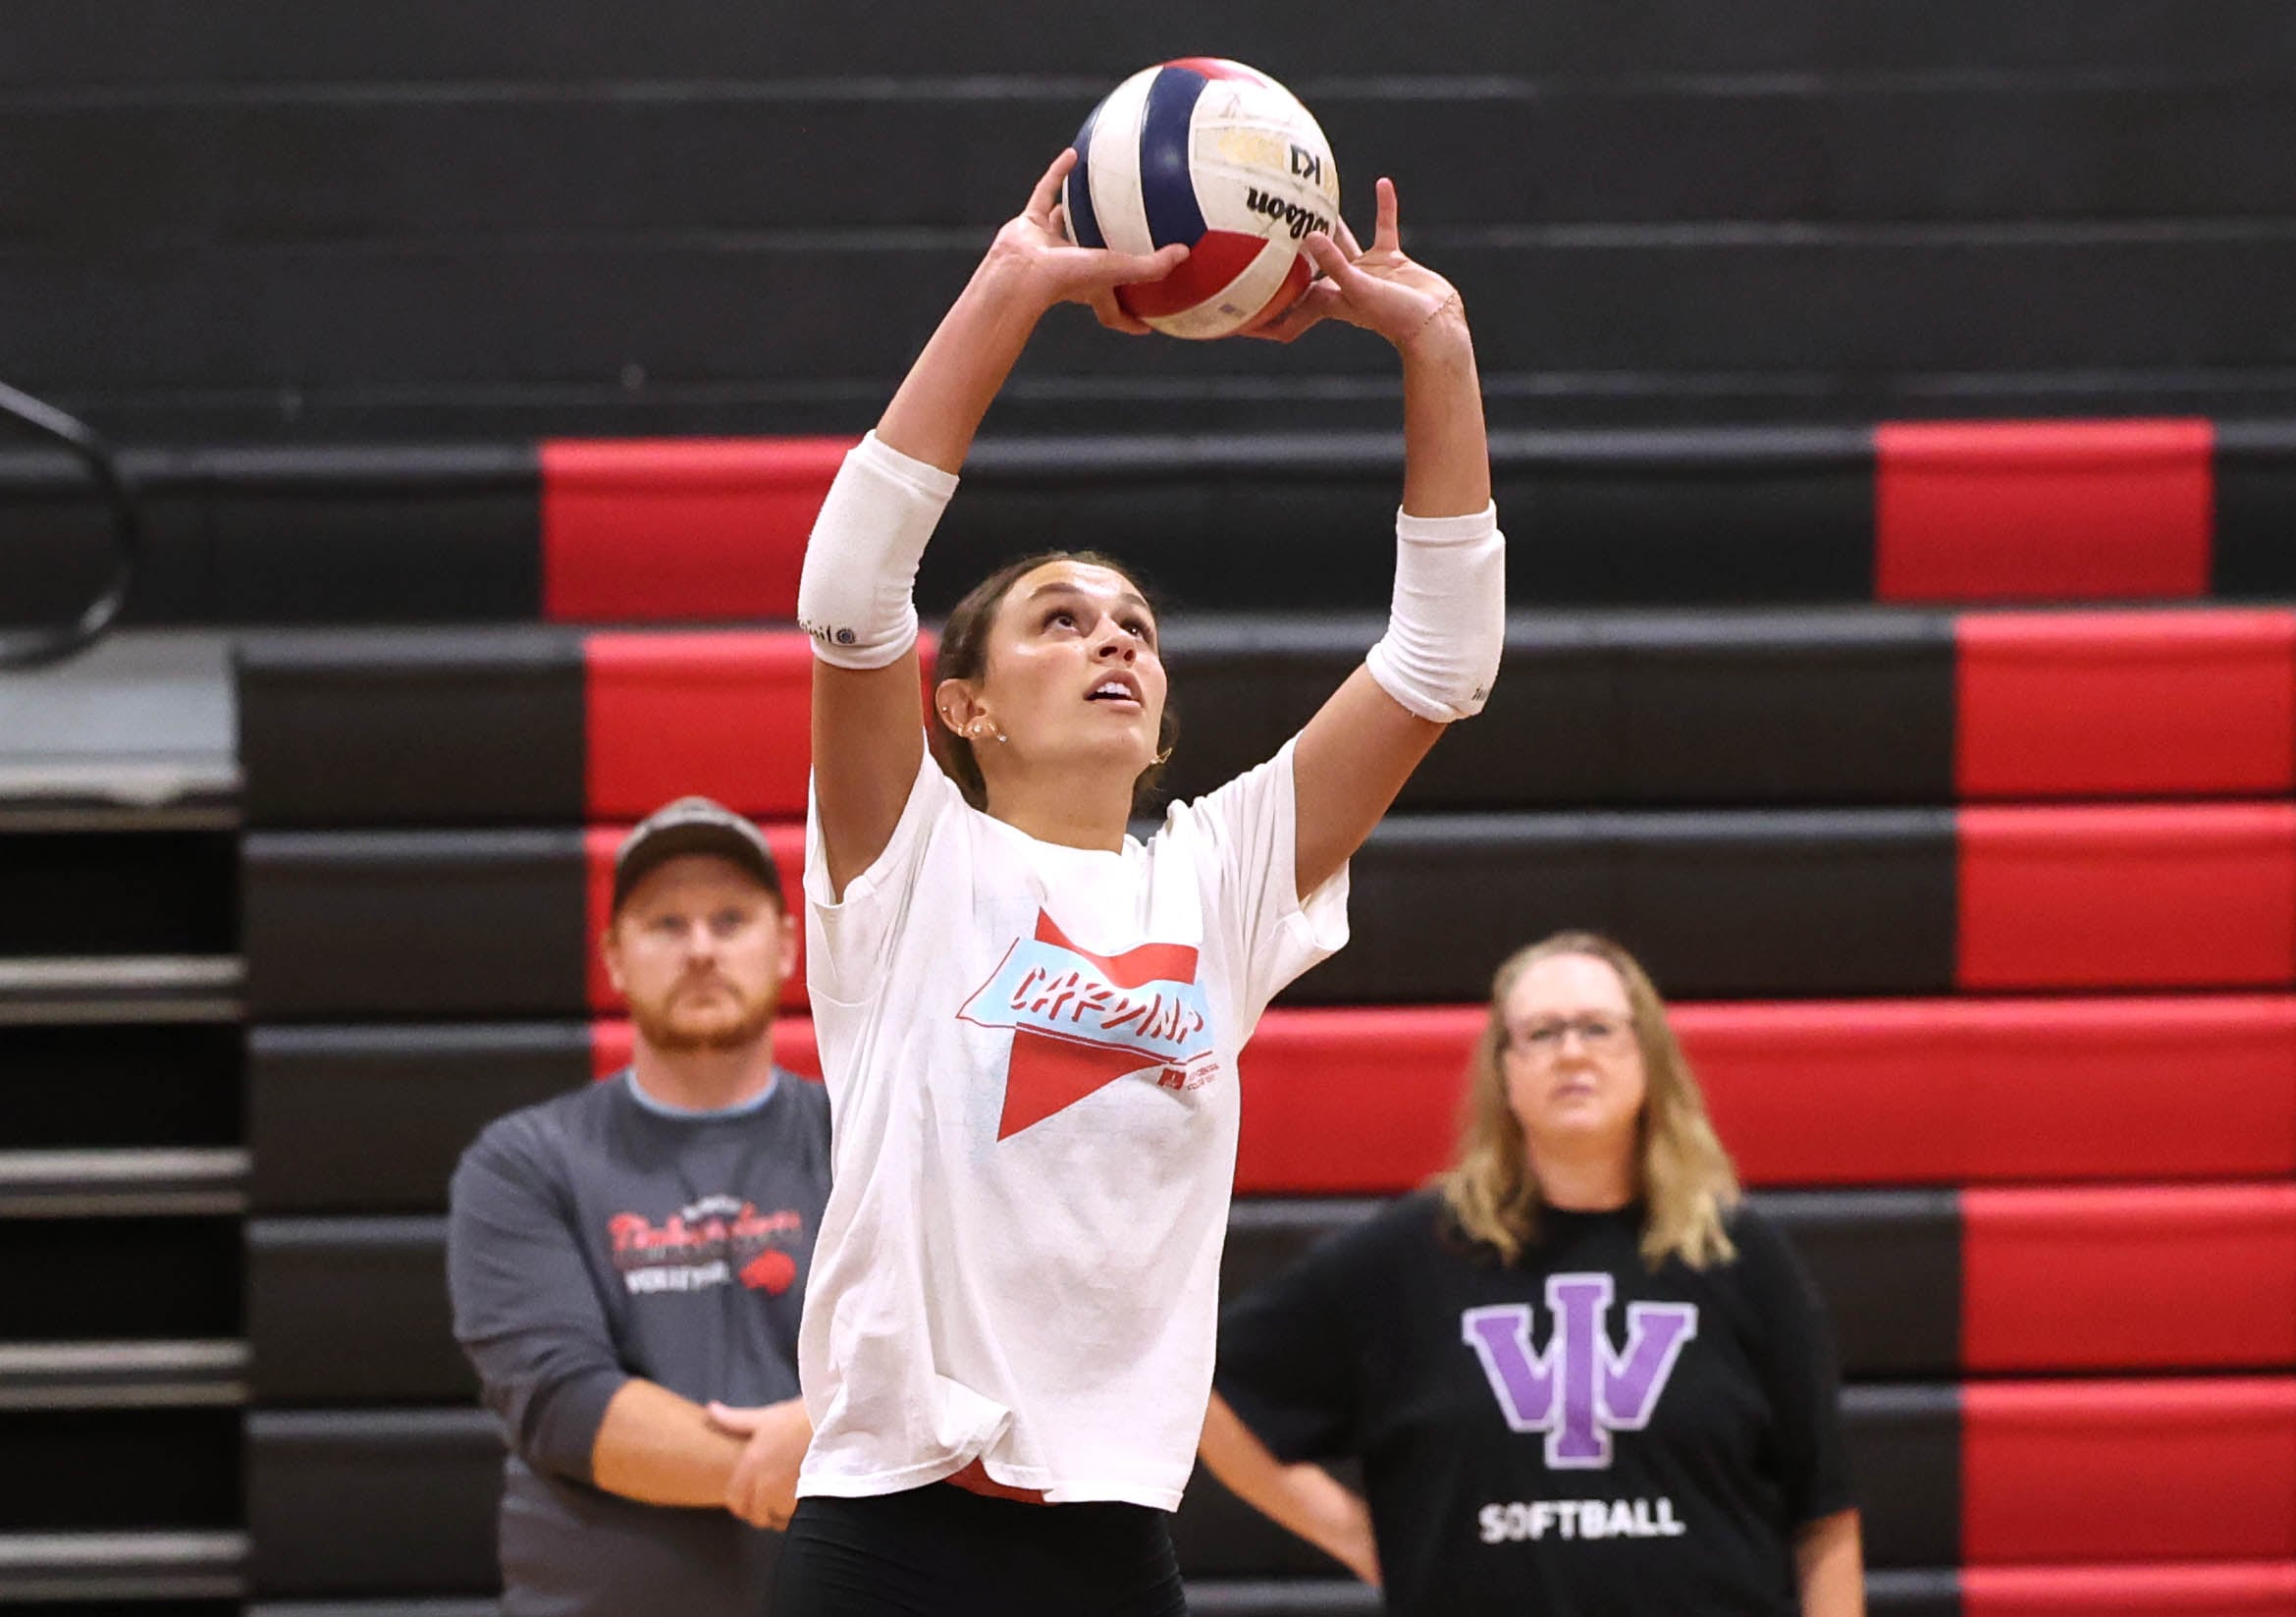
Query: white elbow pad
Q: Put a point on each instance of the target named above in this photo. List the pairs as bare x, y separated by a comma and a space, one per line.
1440, 654
856, 596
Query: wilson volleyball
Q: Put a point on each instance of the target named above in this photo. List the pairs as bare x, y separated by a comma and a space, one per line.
1216, 156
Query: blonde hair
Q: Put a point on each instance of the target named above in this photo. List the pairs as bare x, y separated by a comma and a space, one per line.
1687, 1183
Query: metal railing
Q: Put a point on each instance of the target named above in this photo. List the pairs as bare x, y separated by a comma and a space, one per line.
38, 647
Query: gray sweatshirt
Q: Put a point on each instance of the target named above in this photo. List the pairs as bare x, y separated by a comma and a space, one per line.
601, 1236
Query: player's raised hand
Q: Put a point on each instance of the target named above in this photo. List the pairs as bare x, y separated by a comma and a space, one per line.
1380, 290
1054, 270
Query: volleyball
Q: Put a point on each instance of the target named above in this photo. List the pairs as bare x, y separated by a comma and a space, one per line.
1216, 156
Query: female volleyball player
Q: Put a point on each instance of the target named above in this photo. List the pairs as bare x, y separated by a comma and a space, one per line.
1581, 1376
1030, 1021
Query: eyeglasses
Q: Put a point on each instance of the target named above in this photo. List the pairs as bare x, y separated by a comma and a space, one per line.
1599, 1034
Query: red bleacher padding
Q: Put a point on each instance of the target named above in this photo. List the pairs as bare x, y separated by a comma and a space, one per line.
724, 712
2129, 704
2005, 511
670, 529
597, 846
1364, 1101
1352, 1101
2187, 1589
2129, 1277
1825, 1093
2203, 895
724, 715
2128, 1471
1970, 1091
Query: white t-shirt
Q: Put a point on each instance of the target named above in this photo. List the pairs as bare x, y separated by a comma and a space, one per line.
1031, 1053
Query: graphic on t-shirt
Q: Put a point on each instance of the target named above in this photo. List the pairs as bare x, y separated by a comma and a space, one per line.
1081, 1021
713, 1242
1578, 1388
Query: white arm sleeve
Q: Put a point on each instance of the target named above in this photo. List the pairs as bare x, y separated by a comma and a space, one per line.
1440, 654
856, 596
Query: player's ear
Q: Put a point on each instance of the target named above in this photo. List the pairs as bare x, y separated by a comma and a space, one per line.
955, 703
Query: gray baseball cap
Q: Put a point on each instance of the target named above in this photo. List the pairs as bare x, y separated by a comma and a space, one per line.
693, 825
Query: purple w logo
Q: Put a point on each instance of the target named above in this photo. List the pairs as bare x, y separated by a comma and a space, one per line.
1579, 1389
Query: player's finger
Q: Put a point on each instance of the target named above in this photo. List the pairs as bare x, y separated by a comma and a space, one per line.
1130, 269
1387, 233
1327, 258
1309, 311
734, 1423
1048, 189
1347, 238
1113, 315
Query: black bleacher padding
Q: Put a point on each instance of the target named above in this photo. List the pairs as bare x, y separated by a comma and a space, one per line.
351, 1311
2255, 551
1282, 1598
1715, 904
259, 42
1888, 1264
372, 1503
349, 924
119, 1278
458, 728
1614, 709
1243, 519
1887, 1594
164, 1575
55, 533
417, 533
415, 922
355, 1309
1900, 1593
475, 163
403, 1502
371, 1118
157, 892
1720, 904
1775, 516
376, 1609
162, 1083
119, 1469
1217, 1536
1905, 1465
1604, 709
437, 320
382, 534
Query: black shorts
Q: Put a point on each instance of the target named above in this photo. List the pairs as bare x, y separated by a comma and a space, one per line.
939, 1551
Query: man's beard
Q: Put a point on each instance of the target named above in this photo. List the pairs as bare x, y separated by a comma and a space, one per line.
679, 1032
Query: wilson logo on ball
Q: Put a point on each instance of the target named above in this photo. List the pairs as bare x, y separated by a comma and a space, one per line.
1221, 159
1295, 219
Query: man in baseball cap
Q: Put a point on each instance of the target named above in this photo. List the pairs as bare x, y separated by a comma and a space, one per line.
627, 1262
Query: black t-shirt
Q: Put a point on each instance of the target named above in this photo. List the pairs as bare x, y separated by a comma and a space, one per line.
1570, 1435
600, 1236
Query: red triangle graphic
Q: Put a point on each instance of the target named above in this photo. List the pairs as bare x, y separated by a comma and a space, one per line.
1147, 963
1050, 1075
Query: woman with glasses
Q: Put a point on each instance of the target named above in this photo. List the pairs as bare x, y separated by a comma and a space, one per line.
1580, 1375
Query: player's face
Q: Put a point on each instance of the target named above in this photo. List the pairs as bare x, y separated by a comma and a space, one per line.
1573, 1065
1073, 674
701, 952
